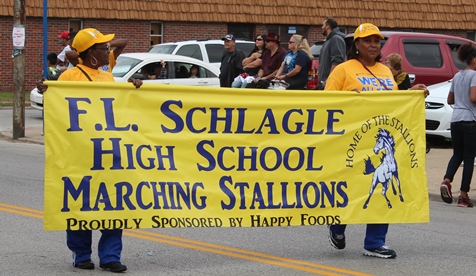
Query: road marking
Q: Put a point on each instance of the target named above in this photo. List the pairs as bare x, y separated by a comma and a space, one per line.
209, 247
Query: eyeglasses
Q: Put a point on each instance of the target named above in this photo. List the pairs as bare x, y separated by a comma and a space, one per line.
291, 42
259, 39
107, 48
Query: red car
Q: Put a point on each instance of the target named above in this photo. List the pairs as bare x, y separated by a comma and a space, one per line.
313, 67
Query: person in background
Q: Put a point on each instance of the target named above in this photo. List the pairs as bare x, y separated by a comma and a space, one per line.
65, 41
53, 71
293, 69
463, 127
160, 71
251, 64
364, 72
231, 61
194, 73
117, 46
332, 52
94, 53
271, 61
394, 62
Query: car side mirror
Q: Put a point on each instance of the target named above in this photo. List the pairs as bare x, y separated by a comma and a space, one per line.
138, 76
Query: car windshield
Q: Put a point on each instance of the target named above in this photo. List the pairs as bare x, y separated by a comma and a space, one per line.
124, 65
162, 49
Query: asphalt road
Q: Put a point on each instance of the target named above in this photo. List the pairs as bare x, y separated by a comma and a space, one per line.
441, 247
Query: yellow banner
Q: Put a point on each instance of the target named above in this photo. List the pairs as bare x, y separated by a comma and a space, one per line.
176, 156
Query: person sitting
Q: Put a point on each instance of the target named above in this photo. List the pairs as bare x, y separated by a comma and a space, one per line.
146, 72
194, 72
394, 62
182, 72
251, 64
271, 61
293, 69
160, 72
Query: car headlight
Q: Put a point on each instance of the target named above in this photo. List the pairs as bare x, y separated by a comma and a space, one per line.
432, 105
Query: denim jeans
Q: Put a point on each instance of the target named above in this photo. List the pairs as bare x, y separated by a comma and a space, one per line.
109, 247
463, 138
374, 236
238, 84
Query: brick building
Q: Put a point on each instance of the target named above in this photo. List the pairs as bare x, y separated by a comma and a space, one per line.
146, 22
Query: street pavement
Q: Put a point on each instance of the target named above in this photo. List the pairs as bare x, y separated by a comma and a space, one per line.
436, 158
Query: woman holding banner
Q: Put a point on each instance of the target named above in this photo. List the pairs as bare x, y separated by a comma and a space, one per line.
93, 50
364, 63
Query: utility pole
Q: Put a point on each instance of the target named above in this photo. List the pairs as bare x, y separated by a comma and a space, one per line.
18, 56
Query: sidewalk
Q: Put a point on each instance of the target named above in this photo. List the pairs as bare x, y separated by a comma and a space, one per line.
436, 161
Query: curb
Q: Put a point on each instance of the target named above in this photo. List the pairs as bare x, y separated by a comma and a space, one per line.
7, 135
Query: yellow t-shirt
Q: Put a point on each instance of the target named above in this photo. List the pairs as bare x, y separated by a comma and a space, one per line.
352, 75
74, 74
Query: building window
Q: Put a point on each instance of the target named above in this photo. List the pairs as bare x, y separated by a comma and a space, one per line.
156, 30
75, 25
471, 35
241, 31
286, 31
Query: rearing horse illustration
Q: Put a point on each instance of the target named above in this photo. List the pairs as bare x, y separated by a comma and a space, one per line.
387, 171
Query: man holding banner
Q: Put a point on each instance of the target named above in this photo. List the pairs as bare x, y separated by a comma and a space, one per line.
93, 50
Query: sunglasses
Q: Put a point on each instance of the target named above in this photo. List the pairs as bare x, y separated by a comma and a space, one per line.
259, 39
291, 42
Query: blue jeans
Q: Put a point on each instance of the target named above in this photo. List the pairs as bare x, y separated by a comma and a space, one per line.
463, 138
239, 84
374, 236
109, 247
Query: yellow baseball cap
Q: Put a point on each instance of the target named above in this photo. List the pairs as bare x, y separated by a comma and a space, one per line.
367, 29
86, 38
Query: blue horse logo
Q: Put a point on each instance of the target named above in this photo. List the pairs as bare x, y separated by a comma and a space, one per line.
387, 171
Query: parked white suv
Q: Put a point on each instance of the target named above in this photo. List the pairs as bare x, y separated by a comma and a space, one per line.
209, 51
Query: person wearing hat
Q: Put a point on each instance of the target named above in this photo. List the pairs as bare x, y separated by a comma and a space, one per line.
93, 50
271, 61
231, 61
364, 72
65, 41
116, 45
